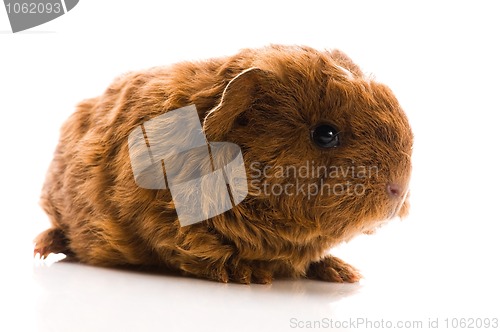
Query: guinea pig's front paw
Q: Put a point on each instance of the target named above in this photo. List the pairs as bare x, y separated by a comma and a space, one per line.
242, 272
248, 272
333, 269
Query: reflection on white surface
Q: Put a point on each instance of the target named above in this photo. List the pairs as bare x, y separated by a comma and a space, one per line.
70, 296
83, 298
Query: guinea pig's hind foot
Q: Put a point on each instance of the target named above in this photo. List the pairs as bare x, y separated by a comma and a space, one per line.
52, 240
333, 269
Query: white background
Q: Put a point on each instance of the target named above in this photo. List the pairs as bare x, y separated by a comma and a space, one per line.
441, 60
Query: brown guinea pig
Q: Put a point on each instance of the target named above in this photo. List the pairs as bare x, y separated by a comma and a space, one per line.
326, 150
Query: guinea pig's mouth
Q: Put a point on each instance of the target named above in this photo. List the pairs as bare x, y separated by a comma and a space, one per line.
401, 209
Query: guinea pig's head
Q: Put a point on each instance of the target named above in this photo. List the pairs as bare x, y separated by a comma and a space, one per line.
325, 148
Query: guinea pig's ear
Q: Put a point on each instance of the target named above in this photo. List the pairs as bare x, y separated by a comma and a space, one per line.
346, 63
237, 98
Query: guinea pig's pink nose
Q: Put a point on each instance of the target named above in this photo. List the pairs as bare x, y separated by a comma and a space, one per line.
395, 190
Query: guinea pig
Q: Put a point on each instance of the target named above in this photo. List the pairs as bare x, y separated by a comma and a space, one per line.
326, 151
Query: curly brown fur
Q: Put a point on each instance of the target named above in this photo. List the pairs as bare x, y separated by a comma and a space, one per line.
266, 101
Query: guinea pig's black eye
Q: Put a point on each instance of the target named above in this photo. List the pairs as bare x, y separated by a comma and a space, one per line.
325, 136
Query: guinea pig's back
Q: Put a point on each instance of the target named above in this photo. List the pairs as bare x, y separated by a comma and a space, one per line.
98, 213
88, 192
